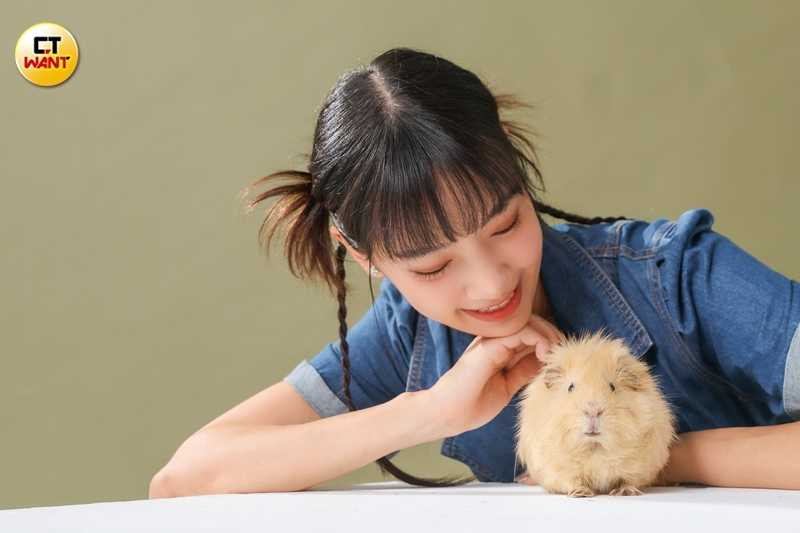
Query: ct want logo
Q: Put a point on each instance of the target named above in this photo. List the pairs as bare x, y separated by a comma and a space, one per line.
46, 54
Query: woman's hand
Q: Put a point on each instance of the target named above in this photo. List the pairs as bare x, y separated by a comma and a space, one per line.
489, 373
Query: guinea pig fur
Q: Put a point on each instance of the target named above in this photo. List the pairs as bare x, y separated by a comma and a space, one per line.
594, 420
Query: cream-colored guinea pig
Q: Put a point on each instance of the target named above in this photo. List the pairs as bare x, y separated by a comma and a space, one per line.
594, 420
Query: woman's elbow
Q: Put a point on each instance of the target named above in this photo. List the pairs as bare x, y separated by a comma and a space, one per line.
159, 486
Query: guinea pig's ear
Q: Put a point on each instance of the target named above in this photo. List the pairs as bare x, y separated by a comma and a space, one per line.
552, 374
629, 375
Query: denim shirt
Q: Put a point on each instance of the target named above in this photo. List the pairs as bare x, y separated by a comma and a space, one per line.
718, 328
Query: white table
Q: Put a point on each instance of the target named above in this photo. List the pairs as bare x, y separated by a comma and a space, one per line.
394, 506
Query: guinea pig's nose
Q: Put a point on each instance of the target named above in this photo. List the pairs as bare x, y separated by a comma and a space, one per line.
593, 409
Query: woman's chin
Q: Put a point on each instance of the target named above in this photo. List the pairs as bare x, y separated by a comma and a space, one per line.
502, 328
499, 328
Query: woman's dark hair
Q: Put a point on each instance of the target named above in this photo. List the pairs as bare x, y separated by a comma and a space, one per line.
392, 138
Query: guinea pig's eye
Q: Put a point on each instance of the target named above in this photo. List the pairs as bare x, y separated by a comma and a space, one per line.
571, 386
613, 388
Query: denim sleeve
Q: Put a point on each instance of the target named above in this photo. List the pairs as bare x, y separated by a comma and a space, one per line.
744, 315
379, 352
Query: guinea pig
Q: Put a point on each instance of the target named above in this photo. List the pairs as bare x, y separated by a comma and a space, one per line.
594, 420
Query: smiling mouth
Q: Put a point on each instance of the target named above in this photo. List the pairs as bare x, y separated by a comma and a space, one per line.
497, 306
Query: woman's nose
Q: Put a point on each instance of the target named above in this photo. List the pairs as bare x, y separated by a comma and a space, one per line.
493, 280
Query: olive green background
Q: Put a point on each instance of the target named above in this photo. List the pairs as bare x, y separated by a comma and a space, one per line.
136, 302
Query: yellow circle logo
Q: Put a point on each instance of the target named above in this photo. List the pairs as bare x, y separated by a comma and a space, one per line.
46, 54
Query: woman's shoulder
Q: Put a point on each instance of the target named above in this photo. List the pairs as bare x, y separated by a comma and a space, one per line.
640, 235
674, 232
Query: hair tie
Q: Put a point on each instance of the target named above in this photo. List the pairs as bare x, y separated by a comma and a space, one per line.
373, 271
338, 225
313, 190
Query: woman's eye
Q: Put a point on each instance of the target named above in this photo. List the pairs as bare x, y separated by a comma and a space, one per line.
512, 226
435, 273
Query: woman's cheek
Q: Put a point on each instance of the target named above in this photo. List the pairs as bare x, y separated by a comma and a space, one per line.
531, 244
436, 299
522, 251
447, 297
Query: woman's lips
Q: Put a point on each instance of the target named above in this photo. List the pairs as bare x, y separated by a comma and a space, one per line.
499, 314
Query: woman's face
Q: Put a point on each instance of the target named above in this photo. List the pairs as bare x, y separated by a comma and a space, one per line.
476, 271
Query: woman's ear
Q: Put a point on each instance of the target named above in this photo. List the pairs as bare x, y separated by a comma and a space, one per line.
358, 257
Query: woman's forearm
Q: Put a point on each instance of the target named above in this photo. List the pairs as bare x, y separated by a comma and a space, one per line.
242, 459
754, 457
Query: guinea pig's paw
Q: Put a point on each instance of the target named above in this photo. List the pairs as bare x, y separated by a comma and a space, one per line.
580, 492
625, 489
526, 479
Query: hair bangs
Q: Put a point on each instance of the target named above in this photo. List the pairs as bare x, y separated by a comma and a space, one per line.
421, 205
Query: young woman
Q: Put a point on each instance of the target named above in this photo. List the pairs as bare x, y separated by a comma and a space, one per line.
415, 174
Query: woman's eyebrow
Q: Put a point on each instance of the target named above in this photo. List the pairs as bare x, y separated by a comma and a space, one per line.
430, 248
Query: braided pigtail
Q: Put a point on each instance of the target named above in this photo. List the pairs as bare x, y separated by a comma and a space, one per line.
558, 213
384, 464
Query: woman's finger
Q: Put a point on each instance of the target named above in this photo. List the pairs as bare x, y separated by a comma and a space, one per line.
520, 353
554, 334
537, 336
532, 336
522, 373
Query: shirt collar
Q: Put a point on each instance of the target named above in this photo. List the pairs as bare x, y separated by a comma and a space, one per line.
582, 296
